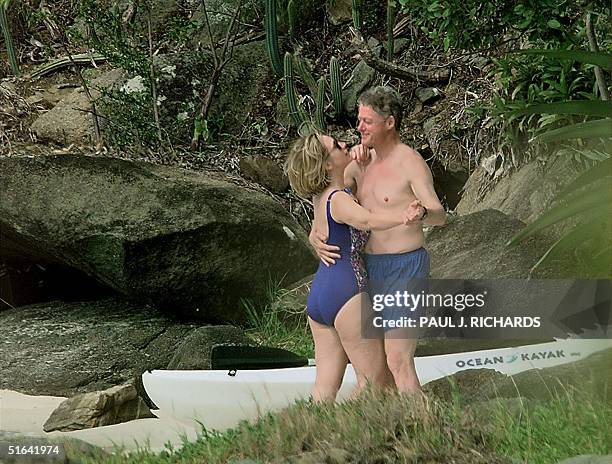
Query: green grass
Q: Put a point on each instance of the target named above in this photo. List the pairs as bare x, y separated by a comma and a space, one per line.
282, 323
566, 426
389, 427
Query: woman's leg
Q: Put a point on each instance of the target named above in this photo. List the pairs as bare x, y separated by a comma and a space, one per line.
367, 355
330, 359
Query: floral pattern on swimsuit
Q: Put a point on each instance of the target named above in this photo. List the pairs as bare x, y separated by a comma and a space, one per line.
359, 238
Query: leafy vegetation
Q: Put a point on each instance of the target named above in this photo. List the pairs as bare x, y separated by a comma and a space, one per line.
589, 197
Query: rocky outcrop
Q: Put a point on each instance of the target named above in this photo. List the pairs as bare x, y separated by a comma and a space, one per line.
70, 120
183, 80
194, 352
63, 349
87, 410
189, 242
474, 247
523, 194
265, 171
361, 79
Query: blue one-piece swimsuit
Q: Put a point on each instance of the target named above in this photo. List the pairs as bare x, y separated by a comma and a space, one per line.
333, 286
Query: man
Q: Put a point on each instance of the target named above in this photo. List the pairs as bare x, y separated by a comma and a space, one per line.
395, 176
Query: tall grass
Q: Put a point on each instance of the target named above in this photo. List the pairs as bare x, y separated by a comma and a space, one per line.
567, 425
281, 323
390, 427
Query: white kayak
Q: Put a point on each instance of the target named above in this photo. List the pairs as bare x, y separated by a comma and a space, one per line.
219, 399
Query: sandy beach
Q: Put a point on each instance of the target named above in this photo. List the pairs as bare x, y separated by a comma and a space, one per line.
26, 414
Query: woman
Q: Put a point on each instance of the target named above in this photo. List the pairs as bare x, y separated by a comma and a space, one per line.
315, 167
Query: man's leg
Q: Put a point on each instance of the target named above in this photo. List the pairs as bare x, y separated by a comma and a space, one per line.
366, 354
400, 359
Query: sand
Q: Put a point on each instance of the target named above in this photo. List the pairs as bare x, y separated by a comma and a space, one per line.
25, 414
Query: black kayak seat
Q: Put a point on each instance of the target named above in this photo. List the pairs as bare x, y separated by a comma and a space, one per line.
234, 357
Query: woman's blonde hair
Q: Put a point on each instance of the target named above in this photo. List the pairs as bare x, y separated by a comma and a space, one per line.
306, 166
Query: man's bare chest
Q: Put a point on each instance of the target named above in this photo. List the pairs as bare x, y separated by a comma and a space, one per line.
384, 186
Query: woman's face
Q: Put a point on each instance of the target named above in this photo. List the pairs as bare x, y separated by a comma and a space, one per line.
338, 152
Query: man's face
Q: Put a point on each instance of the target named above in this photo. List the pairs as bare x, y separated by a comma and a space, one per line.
371, 125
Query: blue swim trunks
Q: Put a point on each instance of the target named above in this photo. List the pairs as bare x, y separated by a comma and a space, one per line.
397, 274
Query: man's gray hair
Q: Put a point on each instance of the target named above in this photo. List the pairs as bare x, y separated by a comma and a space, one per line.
385, 101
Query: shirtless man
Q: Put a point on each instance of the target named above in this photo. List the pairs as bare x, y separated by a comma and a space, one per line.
395, 176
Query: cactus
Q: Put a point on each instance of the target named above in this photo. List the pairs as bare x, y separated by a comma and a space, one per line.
356, 9
8, 40
303, 70
336, 85
297, 115
272, 37
390, 26
292, 18
320, 110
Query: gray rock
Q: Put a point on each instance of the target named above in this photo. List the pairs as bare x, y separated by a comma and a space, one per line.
265, 172
69, 450
63, 349
465, 382
88, 410
474, 247
588, 459
376, 47
70, 121
428, 95
400, 45
183, 80
194, 352
339, 11
362, 78
186, 241
524, 194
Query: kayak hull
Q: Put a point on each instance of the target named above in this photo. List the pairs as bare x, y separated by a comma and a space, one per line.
219, 399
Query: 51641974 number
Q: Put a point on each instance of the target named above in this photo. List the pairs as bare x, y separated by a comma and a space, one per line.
33, 450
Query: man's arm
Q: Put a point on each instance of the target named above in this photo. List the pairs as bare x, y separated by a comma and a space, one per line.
423, 188
326, 253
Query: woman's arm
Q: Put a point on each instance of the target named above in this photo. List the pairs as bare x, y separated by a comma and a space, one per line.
345, 210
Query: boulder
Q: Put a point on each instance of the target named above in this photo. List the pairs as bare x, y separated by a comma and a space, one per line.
265, 171
188, 242
428, 94
465, 383
339, 11
362, 78
474, 247
194, 352
63, 349
523, 194
70, 120
68, 451
96, 409
183, 80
